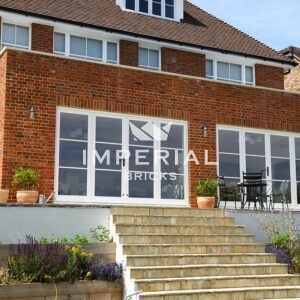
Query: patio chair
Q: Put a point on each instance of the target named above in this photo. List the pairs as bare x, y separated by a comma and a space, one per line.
283, 193
227, 192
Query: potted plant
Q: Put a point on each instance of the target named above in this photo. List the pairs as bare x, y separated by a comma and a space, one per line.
206, 189
25, 179
4, 195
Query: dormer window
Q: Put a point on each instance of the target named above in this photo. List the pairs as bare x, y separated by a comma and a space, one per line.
169, 9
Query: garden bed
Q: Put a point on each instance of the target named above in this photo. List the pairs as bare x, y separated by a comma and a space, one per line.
82, 290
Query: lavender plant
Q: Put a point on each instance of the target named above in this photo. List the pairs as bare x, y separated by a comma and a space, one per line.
110, 272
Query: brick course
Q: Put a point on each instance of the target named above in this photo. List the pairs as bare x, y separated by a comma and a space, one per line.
42, 38
48, 82
129, 53
268, 76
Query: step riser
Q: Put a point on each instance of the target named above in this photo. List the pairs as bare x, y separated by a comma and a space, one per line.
145, 220
227, 295
174, 229
181, 239
192, 284
161, 211
196, 271
197, 260
191, 249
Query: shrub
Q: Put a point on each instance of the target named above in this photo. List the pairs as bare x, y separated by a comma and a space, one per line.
110, 272
100, 234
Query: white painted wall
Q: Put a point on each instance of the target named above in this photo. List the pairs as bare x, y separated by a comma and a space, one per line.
43, 221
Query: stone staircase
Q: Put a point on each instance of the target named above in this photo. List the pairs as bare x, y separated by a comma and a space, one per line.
193, 254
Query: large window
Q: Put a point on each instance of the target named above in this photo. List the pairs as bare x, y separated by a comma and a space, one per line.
15, 35
275, 154
85, 47
229, 72
162, 8
148, 58
114, 158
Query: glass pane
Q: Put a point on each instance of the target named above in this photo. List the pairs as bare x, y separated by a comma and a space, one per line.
298, 192
78, 45
249, 74
71, 154
59, 42
108, 183
141, 159
94, 48
143, 6
73, 126
209, 68
172, 161
280, 168
106, 156
108, 130
255, 164
297, 147
223, 70
130, 4
169, 11
141, 185
8, 33
236, 72
172, 187
298, 170
229, 165
143, 57
255, 143
156, 7
153, 59
170, 2
280, 146
22, 37
142, 133
174, 136
112, 52
228, 141
72, 182
280, 191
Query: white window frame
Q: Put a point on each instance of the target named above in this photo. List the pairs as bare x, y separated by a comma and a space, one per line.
16, 25
90, 198
148, 66
268, 133
243, 72
91, 36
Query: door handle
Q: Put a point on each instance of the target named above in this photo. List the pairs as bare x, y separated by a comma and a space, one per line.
123, 161
267, 171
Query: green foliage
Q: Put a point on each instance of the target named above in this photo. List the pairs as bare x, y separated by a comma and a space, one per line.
25, 178
206, 188
100, 234
284, 233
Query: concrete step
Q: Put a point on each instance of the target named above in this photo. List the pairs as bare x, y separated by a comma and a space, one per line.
183, 238
196, 259
152, 272
178, 229
255, 293
213, 248
166, 211
215, 282
172, 220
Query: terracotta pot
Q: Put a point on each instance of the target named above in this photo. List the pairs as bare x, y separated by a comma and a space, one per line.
206, 202
4, 195
27, 196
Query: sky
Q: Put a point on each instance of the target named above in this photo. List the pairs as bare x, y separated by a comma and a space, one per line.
276, 23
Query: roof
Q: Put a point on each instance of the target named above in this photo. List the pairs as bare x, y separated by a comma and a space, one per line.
197, 29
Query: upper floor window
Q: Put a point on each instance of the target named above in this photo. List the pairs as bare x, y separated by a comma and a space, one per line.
229, 72
15, 35
162, 8
79, 46
148, 58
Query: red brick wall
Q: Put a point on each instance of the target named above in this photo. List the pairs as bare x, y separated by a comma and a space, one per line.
47, 82
182, 62
2, 114
268, 76
129, 53
42, 38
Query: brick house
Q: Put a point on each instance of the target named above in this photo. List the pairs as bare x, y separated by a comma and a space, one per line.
118, 101
292, 76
